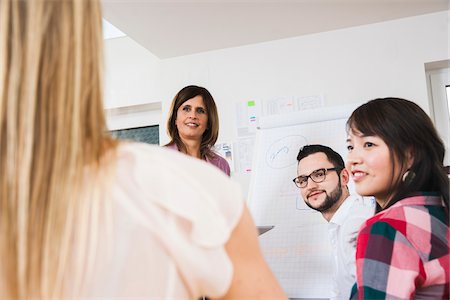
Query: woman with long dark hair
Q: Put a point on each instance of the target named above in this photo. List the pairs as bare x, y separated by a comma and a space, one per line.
396, 155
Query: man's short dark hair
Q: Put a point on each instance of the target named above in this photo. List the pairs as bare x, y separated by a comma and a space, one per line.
332, 155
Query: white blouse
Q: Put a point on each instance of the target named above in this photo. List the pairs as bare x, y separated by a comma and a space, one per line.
171, 217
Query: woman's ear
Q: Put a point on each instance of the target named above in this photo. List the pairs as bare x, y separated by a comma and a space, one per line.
409, 158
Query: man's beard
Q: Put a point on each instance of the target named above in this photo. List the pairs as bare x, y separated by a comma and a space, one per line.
330, 200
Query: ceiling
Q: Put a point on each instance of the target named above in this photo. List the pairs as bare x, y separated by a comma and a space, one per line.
175, 28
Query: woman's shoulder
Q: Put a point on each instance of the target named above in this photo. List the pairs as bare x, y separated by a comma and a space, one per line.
417, 213
420, 223
178, 202
172, 146
159, 161
384, 222
185, 186
220, 162
132, 154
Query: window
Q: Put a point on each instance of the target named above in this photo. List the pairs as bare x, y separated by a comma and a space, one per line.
438, 80
146, 134
448, 99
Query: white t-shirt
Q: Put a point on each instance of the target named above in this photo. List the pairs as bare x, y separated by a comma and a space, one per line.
171, 217
343, 229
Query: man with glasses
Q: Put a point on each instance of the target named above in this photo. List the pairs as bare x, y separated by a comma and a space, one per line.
322, 179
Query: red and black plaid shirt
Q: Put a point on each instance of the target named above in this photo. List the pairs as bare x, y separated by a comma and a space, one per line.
402, 252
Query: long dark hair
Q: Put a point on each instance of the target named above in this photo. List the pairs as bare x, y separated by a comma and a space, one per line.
209, 137
408, 131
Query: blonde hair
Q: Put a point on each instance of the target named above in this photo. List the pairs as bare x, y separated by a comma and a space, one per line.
52, 134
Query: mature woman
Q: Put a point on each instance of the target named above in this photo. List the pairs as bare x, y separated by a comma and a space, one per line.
396, 155
193, 125
83, 216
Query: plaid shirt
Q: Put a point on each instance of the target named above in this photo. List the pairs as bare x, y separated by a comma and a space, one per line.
402, 252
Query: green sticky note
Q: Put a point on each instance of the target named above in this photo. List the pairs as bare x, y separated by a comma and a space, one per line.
251, 103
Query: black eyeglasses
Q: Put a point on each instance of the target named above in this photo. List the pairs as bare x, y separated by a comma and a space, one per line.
316, 176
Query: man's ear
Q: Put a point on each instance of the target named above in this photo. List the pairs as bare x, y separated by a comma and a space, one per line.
345, 177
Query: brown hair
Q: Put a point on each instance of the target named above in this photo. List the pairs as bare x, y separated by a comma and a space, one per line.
209, 137
406, 129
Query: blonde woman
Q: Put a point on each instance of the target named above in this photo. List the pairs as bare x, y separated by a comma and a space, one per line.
83, 216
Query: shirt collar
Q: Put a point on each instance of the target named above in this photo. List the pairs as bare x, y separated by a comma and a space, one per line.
420, 199
343, 211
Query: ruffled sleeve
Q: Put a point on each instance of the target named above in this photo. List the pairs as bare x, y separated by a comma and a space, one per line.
188, 205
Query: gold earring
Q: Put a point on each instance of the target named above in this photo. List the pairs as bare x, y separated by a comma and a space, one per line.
408, 176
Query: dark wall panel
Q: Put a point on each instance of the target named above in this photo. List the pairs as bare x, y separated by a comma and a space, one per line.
146, 134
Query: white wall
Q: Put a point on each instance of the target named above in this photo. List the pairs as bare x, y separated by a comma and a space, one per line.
132, 78
131, 74
349, 65
346, 66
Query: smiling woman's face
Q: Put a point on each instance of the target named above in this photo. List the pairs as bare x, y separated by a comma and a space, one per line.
192, 119
370, 165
